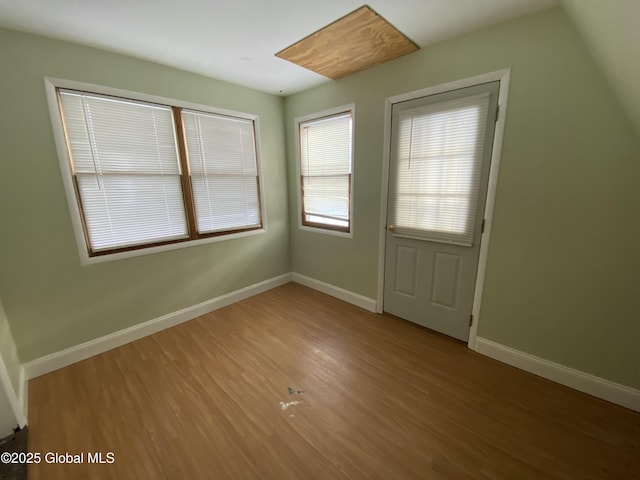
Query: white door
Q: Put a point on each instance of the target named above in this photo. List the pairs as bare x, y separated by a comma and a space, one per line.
439, 169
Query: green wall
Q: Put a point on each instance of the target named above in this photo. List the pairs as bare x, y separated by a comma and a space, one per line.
51, 301
9, 352
562, 277
611, 32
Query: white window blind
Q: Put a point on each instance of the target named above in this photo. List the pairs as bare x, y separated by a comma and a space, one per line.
325, 169
440, 148
224, 173
126, 168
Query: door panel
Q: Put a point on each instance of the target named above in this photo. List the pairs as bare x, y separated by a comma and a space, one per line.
446, 279
439, 168
406, 270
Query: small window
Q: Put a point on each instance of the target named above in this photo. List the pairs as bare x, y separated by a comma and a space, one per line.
325, 163
148, 174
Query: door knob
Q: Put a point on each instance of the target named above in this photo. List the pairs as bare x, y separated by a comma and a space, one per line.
391, 228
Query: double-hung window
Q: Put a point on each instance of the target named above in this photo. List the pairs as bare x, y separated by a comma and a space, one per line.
325, 153
147, 174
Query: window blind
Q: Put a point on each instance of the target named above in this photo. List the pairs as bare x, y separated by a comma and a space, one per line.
325, 169
440, 148
126, 169
224, 173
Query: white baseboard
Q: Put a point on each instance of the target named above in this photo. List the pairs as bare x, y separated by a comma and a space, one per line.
345, 295
584, 382
57, 360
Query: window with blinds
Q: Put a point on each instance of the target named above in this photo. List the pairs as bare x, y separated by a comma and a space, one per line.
326, 152
440, 150
147, 174
224, 173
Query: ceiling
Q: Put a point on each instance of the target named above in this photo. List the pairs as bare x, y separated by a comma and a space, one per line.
236, 40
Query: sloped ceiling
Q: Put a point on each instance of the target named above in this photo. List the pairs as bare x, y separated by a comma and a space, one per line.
611, 30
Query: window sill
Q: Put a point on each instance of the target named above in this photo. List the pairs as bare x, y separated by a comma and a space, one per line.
85, 259
326, 231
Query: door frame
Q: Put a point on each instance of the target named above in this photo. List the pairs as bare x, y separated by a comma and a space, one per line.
17, 400
504, 77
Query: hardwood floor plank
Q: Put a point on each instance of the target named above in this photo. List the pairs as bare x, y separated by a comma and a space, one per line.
381, 399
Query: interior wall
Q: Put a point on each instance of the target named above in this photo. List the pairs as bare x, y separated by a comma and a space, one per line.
561, 280
51, 301
611, 32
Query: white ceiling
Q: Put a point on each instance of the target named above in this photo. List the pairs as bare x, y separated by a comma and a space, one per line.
236, 40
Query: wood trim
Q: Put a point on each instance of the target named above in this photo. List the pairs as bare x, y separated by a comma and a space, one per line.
228, 232
349, 200
259, 190
130, 248
258, 171
185, 178
171, 242
302, 209
83, 219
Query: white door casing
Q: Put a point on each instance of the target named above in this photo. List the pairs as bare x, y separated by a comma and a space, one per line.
11, 414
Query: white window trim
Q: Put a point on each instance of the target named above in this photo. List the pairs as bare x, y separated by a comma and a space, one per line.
51, 84
351, 107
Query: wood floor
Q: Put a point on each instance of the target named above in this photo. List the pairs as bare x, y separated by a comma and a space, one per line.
381, 399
